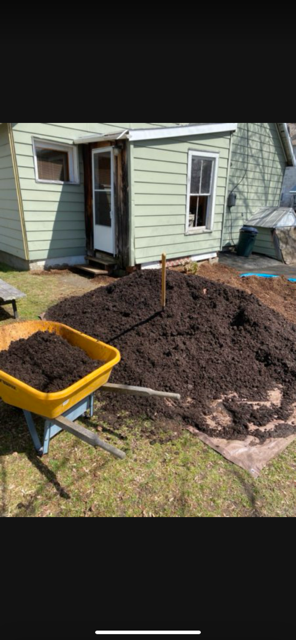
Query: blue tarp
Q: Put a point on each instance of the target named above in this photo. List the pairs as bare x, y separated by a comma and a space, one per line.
263, 275
258, 275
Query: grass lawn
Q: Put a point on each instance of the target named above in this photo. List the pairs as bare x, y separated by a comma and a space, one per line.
180, 478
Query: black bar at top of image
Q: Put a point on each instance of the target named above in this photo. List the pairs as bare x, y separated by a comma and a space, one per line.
86, 630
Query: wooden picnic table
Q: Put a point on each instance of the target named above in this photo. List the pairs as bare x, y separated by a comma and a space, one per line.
9, 295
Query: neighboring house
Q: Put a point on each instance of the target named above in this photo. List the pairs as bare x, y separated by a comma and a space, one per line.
133, 190
288, 199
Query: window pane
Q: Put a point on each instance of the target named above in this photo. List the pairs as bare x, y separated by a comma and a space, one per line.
206, 181
202, 211
103, 170
195, 175
198, 211
193, 211
103, 208
53, 165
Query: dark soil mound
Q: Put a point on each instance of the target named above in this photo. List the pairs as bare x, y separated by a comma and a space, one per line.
211, 342
46, 362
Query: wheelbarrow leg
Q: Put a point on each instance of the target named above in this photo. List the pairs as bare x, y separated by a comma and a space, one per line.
91, 405
51, 428
33, 432
50, 431
89, 412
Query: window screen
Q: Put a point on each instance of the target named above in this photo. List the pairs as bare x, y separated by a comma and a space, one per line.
53, 165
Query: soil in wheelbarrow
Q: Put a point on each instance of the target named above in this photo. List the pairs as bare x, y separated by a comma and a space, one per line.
46, 362
219, 347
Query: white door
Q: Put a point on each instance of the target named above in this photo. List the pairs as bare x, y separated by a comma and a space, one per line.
103, 200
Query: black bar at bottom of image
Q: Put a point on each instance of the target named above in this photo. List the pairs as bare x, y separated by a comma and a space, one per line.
86, 630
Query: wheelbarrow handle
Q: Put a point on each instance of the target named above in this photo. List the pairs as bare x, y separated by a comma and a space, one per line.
87, 436
139, 391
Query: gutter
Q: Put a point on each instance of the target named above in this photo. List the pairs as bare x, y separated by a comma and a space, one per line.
226, 192
287, 142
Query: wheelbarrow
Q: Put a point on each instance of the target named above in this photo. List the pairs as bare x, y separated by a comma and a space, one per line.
59, 410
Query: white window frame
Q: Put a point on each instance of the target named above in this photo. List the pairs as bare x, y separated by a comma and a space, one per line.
72, 152
208, 228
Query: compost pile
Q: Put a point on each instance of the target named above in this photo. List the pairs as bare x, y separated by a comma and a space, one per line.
46, 362
215, 345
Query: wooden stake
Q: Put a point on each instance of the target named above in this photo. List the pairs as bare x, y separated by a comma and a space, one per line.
163, 293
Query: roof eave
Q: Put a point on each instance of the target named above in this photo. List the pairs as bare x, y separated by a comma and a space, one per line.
138, 135
112, 137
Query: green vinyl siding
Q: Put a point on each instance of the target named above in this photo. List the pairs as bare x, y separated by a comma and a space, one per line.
54, 214
159, 187
258, 166
11, 239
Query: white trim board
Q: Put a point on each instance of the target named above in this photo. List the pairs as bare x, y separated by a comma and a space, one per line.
200, 258
99, 137
135, 135
178, 132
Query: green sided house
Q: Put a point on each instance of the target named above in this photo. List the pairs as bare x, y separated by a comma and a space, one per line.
123, 193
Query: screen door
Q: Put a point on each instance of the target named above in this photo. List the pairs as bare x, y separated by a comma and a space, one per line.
103, 200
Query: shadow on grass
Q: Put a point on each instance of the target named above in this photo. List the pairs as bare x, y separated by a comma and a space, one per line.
5, 268
105, 428
48, 474
15, 438
6, 314
250, 492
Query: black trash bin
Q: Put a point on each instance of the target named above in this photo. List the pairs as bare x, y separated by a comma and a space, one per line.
246, 241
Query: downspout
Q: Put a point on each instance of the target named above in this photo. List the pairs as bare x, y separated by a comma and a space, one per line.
18, 190
227, 189
287, 142
282, 127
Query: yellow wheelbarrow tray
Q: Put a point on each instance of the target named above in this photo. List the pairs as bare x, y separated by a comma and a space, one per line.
61, 409
52, 405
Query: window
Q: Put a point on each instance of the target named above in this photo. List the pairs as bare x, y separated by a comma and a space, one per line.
55, 163
202, 179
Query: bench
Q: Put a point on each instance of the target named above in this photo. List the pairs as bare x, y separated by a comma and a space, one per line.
9, 295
